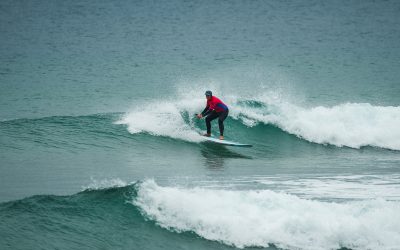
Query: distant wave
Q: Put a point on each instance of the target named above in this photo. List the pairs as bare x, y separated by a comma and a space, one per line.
259, 218
65, 132
349, 124
61, 118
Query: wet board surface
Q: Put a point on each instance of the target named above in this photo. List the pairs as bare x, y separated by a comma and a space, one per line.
226, 142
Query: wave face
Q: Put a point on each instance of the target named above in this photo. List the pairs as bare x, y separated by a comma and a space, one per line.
259, 218
353, 125
349, 124
173, 217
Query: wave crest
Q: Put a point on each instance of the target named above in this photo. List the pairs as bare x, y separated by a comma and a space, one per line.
351, 124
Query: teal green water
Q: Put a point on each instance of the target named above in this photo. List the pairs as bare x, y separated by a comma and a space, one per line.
100, 148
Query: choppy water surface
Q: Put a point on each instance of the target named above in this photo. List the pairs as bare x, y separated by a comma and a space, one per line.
100, 147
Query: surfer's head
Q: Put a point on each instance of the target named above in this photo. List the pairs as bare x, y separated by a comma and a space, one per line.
208, 94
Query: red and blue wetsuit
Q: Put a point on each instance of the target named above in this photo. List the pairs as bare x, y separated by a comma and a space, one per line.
215, 108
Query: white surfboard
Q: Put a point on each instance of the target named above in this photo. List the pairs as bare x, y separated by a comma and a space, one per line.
226, 143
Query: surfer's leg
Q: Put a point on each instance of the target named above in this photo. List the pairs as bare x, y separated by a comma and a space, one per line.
221, 118
209, 118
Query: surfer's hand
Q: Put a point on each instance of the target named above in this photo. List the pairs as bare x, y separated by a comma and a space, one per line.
199, 116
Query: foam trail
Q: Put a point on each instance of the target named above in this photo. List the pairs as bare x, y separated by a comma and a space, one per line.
258, 218
352, 187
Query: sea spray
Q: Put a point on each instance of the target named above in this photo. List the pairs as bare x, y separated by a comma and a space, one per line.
161, 119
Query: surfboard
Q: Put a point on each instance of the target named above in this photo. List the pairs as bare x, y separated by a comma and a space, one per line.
226, 142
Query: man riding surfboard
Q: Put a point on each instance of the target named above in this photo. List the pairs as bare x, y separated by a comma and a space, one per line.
215, 108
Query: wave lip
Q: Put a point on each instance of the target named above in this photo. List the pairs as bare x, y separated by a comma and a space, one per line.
105, 183
260, 218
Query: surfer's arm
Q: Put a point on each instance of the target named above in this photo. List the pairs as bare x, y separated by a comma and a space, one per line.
206, 111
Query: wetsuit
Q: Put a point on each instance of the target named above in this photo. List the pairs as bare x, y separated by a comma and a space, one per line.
215, 109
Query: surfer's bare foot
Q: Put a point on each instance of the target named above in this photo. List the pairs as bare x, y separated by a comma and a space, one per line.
221, 137
208, 135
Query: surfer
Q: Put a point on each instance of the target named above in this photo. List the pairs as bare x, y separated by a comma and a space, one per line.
215, 109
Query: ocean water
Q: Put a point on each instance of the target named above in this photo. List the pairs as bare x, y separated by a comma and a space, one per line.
100, 147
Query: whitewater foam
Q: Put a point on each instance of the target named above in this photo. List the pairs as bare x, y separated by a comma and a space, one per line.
259, 218
352, 124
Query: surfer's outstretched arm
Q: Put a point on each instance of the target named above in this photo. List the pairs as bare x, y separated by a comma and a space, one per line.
205, 112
